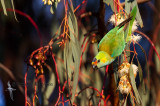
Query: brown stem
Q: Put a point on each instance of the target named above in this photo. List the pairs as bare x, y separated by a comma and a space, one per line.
100, 19
114, 98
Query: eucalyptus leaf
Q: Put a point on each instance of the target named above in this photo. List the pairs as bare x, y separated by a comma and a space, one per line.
133, 83
76, 55
50, 87
157, 62
71, 28
129, 5
141, 76
126, 32
54, 7
14, 10
146, 96
4, 7
59, 66
57, 32
56, 4
148, 79
138, 16
76, 50
140, 71
111, 3
68, 60
125, 102
128, 52
65, 55
132, 102
51, 10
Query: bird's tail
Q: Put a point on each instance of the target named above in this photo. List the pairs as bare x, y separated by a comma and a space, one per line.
129, 31
125, 22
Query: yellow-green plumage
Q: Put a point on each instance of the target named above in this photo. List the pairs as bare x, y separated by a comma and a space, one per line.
105, 59
113, 43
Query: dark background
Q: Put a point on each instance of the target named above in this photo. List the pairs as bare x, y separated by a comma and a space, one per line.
19, 39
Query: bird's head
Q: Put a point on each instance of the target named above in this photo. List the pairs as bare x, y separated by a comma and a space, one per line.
102, 59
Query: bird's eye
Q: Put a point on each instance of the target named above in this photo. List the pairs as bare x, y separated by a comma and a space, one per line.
98, 61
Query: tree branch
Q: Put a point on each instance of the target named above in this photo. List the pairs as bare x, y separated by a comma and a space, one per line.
100, 19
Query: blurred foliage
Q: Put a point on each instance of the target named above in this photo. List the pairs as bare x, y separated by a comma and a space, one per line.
60, 70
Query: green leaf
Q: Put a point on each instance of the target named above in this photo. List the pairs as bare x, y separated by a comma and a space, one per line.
76, 49
53, 7
58, 30
72, 22
138, 16
132, 102
59, 66
125, 102
56, 4
4, 7
71, 29
157, 62
107, 2
126, 32
133, 83
146, 97
148, 79
14, 10
76, 55
141, 76
140, 71
50, 87
128, 52
51, 10
129, 5
68, 60
111, 3
65, 55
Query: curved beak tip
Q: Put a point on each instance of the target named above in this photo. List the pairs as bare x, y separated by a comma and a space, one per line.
95, 67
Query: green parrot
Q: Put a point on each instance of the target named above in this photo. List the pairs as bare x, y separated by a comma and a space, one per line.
113, 43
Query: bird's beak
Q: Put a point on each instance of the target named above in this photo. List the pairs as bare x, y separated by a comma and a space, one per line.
95, 67
94, 64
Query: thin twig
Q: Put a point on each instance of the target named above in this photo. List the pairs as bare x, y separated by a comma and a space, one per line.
104, 81
57, 79
152, 44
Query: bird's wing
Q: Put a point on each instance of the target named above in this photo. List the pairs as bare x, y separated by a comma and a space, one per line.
118, 44
106, 42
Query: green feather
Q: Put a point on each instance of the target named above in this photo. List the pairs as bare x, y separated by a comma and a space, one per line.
113, 43
104, 58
